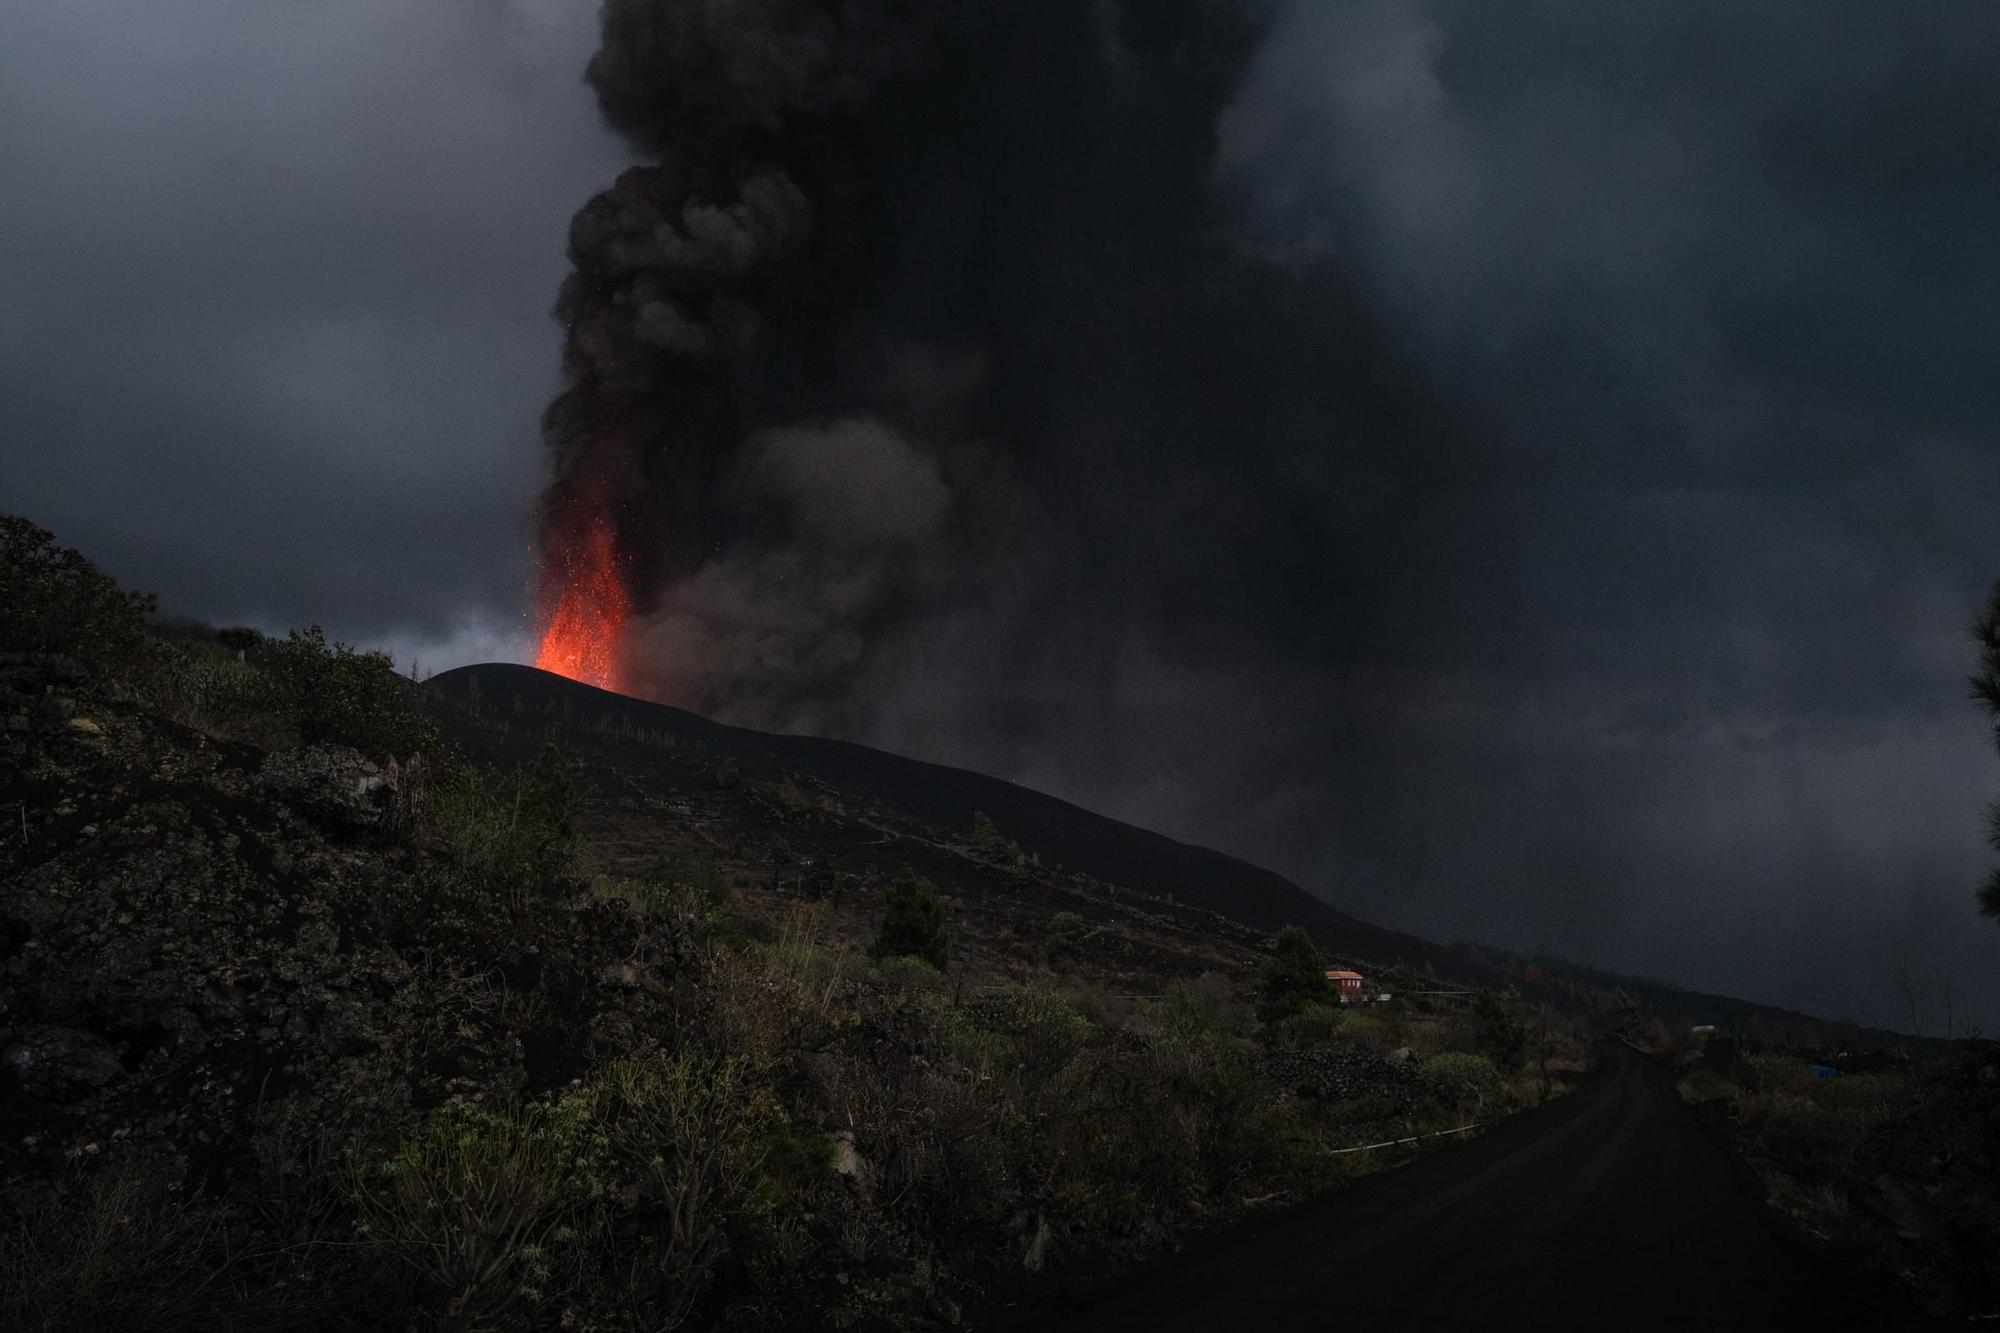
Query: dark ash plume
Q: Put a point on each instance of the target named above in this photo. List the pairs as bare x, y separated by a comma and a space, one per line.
779, 333
680, 318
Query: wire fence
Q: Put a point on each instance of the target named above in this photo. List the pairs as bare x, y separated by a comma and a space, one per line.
1392, 1143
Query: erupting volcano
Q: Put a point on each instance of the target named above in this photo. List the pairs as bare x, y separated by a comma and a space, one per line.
729, 515
584, 603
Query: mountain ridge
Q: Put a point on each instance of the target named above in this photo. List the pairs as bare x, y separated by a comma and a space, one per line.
1049, 827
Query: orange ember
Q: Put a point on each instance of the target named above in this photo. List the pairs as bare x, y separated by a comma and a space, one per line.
580, 639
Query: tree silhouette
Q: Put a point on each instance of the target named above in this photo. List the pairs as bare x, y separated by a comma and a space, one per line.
1294, 977
1986, 690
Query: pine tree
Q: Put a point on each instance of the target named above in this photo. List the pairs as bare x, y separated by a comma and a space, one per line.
914, 925
1294, 977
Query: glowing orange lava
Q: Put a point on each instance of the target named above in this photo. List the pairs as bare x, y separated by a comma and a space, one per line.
590, 606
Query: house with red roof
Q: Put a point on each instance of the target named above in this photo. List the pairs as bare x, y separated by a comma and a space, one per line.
1347, 983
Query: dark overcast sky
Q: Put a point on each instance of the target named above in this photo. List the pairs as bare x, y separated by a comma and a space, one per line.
274, 327
1615, 473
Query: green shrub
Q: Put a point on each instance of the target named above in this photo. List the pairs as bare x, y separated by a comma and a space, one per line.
1207, 1006
1503, 1034
1188, 1014
1314, 1025
511, 833
486, 1211
1462, 1082
335, 695
693, 1135
913, 925
1044, 1036
55, 601
214, 693
1068, 933
1213, 1106
908, 975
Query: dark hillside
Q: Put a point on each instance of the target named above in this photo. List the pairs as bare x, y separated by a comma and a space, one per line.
504, 711
530, 706
301, 1035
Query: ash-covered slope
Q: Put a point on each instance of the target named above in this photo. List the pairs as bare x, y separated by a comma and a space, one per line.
538, 705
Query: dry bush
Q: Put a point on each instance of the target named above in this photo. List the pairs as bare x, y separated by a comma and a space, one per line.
1433, 1038
1150, 1138
1102, 1006
1224, 1000
119, 1248
1464, 1083
1370, 1032
689, 1136
1044, 1036
1314, 1025
483, 1210
508, 835
337, 695
1812, 1126
1808, 1126
1523, 1090
781, 999
207, 689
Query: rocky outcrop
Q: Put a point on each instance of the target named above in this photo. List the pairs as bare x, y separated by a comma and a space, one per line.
334, 783
201, 942
1341, 1073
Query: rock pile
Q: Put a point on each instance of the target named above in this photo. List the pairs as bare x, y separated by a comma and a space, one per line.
1342, 1073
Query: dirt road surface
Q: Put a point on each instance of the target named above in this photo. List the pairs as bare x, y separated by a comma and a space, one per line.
1609, 1210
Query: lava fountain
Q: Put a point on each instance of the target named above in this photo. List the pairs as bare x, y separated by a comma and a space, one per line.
584, 600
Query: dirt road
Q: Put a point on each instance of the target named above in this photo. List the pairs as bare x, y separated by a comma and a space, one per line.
1608, 1210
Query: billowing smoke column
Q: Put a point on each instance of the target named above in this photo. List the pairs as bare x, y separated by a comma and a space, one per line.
884, 252
716, 525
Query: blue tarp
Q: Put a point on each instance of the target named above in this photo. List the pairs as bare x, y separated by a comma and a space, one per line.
1824, 1071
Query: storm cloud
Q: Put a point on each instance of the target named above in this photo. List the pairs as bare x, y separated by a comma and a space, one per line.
1709, 291
1525, 473
274, 293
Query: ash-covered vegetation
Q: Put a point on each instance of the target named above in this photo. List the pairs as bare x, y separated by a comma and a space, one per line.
1890, 1154
322, 1010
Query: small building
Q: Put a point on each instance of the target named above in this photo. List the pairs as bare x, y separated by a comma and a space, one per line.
1347, 983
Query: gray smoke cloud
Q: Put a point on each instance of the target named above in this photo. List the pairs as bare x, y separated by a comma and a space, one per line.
761, 633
